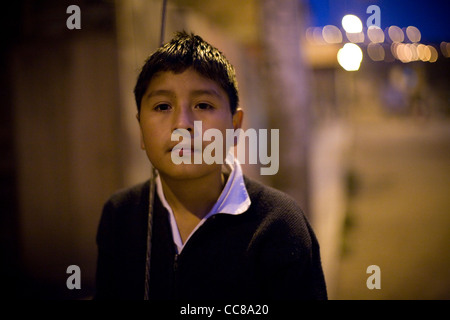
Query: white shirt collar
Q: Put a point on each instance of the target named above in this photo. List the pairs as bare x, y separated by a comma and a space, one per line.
233, 200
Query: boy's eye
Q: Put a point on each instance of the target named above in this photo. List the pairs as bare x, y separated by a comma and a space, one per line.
204, 106
162, 107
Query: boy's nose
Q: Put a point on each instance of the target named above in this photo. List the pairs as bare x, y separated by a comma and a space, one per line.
184, 119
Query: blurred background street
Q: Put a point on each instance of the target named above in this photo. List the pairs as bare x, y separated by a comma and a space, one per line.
397, 213
362, 105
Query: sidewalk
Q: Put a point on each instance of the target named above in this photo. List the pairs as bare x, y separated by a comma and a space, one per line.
399, 215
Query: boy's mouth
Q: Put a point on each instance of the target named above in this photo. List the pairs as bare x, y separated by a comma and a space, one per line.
184, 150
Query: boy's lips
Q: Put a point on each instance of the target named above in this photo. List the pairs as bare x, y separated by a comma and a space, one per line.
184, 150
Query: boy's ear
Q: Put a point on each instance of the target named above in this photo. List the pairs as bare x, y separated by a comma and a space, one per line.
140, 132
237, 118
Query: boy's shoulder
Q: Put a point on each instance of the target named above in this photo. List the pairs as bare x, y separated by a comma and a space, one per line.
259, 193
265, 200
269, 197
276, 209
130, 196
279, 218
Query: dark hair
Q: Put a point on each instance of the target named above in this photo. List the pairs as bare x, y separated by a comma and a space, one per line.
185, 51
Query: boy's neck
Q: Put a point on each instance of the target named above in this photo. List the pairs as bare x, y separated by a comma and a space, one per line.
193, 196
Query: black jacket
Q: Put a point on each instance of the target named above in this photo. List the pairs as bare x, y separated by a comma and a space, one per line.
268, 252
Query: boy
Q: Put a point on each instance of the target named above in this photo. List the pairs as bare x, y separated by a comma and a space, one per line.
215, 233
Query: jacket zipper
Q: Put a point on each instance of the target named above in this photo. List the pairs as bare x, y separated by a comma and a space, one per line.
175, 262
177, 254
174, 283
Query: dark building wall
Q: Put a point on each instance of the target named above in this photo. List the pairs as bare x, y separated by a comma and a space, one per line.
62, 137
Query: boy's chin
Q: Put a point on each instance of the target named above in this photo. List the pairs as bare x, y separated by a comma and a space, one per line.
190, 171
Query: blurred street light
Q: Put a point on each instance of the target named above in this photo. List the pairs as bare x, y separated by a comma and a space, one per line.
375, 34
376, 51
350, 57
445, 49
332, 34
355, 37
396, 34
352, 24
413, 34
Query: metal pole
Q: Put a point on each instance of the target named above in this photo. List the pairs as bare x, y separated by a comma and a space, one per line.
151, 194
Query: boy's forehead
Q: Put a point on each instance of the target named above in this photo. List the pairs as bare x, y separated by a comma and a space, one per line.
188, 79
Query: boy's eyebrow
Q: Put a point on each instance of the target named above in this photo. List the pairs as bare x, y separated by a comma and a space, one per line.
171, 94
168, 93
211, 92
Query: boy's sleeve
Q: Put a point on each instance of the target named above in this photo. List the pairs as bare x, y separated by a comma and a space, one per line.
292, 266
105, 260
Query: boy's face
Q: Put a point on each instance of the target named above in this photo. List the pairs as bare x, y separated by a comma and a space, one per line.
174, 101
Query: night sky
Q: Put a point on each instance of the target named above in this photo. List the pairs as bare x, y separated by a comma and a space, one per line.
432, 17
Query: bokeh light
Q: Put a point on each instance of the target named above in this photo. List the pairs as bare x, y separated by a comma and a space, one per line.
352, 24
355, 37
434, 54
396, 34
350, 57
445, 48
413, 34
375, 34
314, 36
375, 51
423, 52
331, 34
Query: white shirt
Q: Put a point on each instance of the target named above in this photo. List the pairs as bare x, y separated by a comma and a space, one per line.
233, 200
